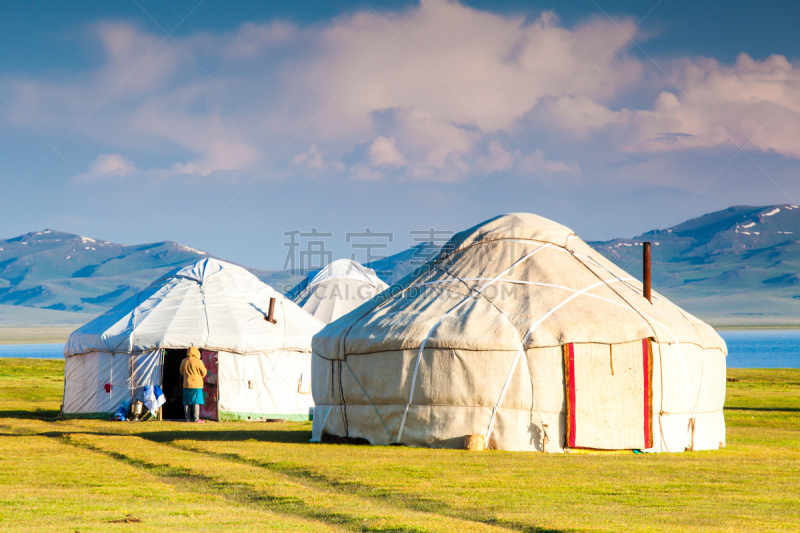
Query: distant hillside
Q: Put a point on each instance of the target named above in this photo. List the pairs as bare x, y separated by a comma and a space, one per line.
739, 265
72, 276
66, 272
395, 267
736, 266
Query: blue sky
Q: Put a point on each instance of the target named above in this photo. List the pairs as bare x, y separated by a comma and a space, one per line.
224, 125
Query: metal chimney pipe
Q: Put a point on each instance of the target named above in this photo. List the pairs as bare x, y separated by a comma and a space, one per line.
271, 313
646, 276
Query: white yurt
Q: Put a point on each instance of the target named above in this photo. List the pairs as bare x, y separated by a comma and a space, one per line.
520, 332
257, 368
337, 289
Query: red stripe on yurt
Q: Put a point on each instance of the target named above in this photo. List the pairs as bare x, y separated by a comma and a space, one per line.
647, 413
572, 403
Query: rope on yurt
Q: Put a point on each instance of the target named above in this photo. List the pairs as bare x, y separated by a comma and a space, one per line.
631, 307
702, 370
133, 325
132, 373
130, 344
611, 357
628, 306
677, 343
283, 318
370, 400
333, 387
205, 311
245, 349
661, 412
522, 349
693, 420
449, 313
344, 403
390, 295
472, 291
384, 299
464, 281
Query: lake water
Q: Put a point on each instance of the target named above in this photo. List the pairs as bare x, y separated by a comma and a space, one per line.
36, 351
760, 348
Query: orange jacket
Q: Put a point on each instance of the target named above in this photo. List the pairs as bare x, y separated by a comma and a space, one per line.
193, 370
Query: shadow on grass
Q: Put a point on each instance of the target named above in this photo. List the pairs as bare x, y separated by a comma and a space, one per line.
320, 480
166, 437
260, 435
288, 505
38, 414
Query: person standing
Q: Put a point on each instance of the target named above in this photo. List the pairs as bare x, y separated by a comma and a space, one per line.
193, 371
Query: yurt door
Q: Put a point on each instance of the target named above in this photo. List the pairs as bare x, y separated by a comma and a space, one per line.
208, 411
609, 395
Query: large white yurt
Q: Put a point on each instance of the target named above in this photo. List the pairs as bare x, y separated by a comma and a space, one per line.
256, 368
522, 333
337, 289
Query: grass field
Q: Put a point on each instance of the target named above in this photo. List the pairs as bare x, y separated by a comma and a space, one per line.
149, 476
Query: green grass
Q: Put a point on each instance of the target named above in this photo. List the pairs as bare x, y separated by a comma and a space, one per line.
80, 475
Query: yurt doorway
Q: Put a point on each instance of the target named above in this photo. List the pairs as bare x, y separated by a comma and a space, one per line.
208, 411
172, 383
609, 392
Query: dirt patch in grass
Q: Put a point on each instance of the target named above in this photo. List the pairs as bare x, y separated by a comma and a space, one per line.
130, 519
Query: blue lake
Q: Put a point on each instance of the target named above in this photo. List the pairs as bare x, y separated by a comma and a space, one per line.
765, 348
762, 348
36, 351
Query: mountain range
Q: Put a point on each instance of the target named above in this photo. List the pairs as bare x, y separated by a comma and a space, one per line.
740, 265
736, 266
61, 271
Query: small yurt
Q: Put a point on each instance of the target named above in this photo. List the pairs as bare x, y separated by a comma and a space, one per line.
336, 290
521, 333
254, 343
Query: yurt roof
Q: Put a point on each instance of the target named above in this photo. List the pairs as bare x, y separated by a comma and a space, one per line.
341, 269
345, 269
517, 280
210, 304
337, 289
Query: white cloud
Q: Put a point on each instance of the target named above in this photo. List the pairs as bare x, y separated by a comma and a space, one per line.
581, 115
383, 151
466, 66
349, 94
470, 74
751, 103
140, 59
315, 159
499, 158
431, 142
221, 156
110, 165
